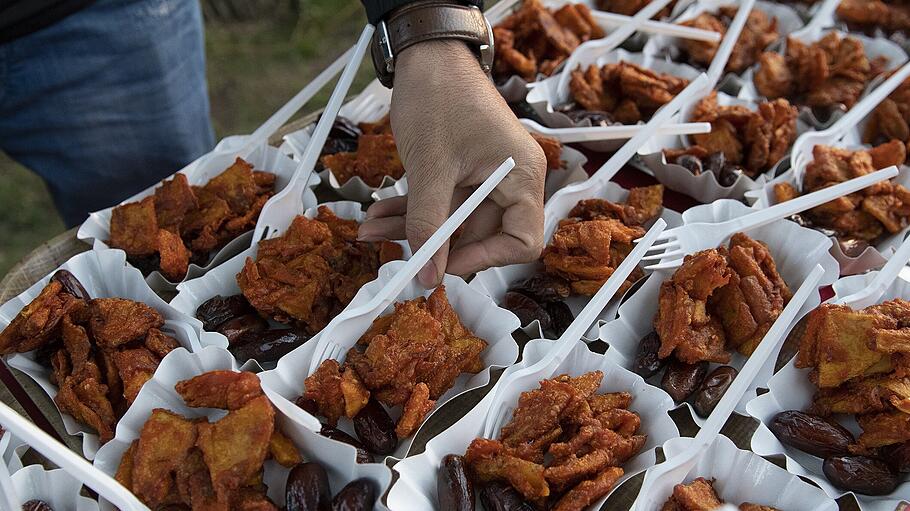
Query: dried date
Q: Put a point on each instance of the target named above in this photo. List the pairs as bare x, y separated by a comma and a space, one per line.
712, 389
526, 309
358, 495
690, 163
812, 434
454, 489
647, 363
375, 428
308, 488
237, 327
560, 316
307, 405
542, 287
502, 497
715, 163
363, 455
267, 346
860, 474
898, 456
71, 284
215, 311
681, 379
37, 505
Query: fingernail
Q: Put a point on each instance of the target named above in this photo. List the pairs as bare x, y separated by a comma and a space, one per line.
427, 275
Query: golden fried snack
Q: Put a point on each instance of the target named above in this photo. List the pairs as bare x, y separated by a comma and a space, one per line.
164, 444
324, 387
38, 322
135, 367
630, 7
877, 393
173, 200
699, 495
415, 411
175, 257
873, 14
160, 343
134, 227
283, 450
627, 92
228, 390
376, 157
552, 148
886, 428
117, 321
489, 461
756, 35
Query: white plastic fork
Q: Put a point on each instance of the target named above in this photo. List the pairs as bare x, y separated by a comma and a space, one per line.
595, 133
275, 215
611, 41
499, 413
719, 63
690, 238
328, 348
75, 465
658, 27
802, 148
678, 466
873, 291
824, 13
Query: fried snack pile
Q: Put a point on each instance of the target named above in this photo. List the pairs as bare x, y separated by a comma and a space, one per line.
373, 157
624, 92
832, 71
180, 223
306, 276
866, 215
891, 118
202, 465
597, 236
101, 350
564, 446
631, 7
408, 358
757, 34
699, 495
720, 299
889, 15
536, 40
860, 361
753, 141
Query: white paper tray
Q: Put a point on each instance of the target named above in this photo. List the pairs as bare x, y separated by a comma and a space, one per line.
55, 487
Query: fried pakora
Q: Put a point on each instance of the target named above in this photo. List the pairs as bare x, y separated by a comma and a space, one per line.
753, 141
631, 7
889, 121
559, 449
879, 210
759, 31
100, 351
869, 15
307, 275
408, 358
720, 299
623, 92
700, 495
181, 223
202, 465
830, 72
536, 40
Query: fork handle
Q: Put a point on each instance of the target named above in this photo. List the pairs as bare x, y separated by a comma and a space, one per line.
882, 279
808, 201
861, 109
719, 63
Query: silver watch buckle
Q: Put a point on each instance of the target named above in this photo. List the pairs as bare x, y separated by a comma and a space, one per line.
385, 46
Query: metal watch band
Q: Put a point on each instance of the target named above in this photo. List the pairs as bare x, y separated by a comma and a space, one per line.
425, 21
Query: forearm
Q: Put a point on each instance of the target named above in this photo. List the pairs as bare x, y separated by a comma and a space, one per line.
377, 9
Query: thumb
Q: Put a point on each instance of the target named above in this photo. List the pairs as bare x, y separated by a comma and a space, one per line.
429, 204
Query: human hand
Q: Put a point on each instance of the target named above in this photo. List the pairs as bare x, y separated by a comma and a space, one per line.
453, 129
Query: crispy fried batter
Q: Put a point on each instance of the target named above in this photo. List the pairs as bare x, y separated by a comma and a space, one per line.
490, 461
756, 35
228, 390
626, 91
552, 148
117, 321
376, 157
283, 450
415, 411
885, 428
134, 228
135, 367
175, 257
160, 343
38, 322
164, 444
699, 495
173, 200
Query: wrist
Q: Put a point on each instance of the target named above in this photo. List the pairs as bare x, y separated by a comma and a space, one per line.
432, 62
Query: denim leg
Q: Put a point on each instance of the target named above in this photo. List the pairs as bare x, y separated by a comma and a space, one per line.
108, 101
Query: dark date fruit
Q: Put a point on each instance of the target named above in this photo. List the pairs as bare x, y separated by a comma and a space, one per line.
307, 405
860, 474
853, 247
502, 497
691, 163
542, 287
898, 456
715, 163
812, 434
712, 389
308, 488
375, 428
560, 316
267, 346
145, 264
647, 363
71, 284
339, 145
454, 489
344, 128
681, 379
595, 117
363, 455
237, 327
358, 495
219, 309
37, 505
729, 175
526, 309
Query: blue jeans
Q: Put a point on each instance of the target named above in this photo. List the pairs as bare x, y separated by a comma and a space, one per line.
107, 101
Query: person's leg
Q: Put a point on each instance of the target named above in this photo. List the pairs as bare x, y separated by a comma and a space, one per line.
107, 101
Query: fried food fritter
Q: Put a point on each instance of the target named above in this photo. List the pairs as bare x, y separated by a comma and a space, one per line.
38, 322
558, 450
376, 157
757, 34
117, 321
164, 443
182, 223
228, 390
875, 14
628, 93
630, 7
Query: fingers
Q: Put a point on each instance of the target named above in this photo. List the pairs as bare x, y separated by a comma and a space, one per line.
381, 229
393, 206
428, 204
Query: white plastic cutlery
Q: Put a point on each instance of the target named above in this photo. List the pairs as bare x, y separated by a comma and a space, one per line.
871, 294
678, 466
75, 465
658, 27
499, 412
719, 63
596, 133
689, 238
274, 217
328, 348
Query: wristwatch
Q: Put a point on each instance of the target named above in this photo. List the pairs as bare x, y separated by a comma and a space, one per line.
428, 20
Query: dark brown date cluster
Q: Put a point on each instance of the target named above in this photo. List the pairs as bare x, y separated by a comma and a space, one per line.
308, 490
249, 335
681, 380
715, 163
455, 490
542, 298
373, 426
827, 439
36, 505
